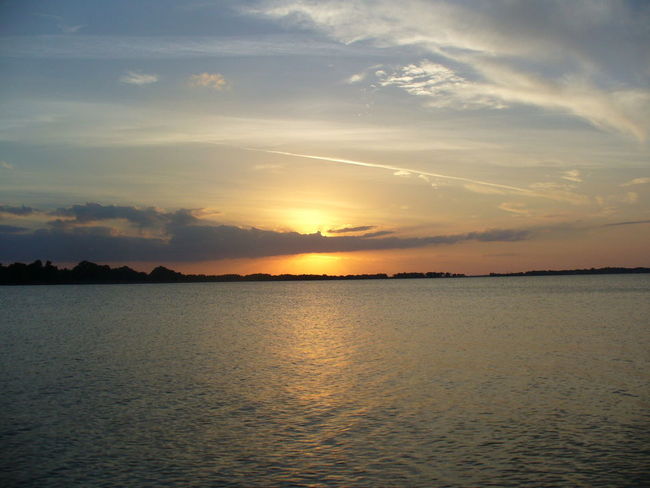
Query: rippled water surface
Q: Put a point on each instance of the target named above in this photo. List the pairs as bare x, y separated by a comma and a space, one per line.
538, 381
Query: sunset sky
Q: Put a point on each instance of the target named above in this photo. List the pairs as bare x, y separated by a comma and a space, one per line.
325, 136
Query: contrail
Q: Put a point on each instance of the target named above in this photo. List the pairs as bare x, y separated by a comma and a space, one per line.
415, 171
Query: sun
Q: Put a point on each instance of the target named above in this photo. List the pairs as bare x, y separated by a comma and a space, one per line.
307, 220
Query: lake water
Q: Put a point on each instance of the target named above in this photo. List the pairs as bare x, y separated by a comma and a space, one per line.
540, 381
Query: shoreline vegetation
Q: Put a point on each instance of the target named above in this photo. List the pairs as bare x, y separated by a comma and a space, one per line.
86, 272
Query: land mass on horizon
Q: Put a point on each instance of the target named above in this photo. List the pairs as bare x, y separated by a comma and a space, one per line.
86, 272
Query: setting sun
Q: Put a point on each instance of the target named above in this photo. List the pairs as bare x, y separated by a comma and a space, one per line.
307, 220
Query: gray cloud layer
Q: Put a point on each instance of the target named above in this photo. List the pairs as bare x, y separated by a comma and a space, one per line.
22, 210
346, 230
186, 238
148, 217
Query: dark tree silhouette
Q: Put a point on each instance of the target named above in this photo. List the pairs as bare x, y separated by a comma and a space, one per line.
87, 272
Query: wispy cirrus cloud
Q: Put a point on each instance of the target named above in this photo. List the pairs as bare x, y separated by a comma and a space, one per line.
76, 123
474, 185
637, 181
572, 175
139, 79
71, 29
63, 26
542, 54
500, 87
169, 47
515, 208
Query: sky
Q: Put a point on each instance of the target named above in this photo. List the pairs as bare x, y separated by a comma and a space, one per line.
338, 137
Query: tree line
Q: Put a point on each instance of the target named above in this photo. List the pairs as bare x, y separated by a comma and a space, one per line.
87, 272
587, 271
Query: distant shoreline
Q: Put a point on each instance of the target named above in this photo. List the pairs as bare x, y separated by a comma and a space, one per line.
86, 272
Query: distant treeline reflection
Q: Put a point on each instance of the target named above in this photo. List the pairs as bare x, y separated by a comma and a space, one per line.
38, 273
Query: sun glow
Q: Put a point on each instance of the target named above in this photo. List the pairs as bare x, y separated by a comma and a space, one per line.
315, 264
307, 221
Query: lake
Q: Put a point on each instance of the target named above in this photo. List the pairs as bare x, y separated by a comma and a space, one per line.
536, 381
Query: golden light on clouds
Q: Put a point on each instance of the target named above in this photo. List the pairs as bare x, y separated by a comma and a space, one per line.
216, 81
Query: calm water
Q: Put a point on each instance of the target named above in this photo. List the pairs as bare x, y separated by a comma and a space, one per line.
472, 382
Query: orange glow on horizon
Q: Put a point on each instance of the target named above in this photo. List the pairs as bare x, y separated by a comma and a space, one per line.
468, 257
331, 264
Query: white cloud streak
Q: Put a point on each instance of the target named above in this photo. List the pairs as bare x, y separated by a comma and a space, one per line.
78, 123
515, 208
637, 181
477, 186
71, 29
168, 47
140, 79
572, 175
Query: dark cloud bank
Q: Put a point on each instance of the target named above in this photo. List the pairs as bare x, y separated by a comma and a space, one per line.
73, 234
22, 210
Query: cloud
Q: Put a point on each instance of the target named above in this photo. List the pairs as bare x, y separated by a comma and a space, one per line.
515, 208
65, 28
148, 217
186, 238
442, 86
572, 175
379, 233
356, 78
11, 229
267, 167
168, 47
611, 203
470, 184
560, 192
634, 222
501, 87
549, 55
77, 123
139, 79
346, 230
6, 165
362, 75
483, 189
631, 197
637, 181
215, 81
71, 29
20, 211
